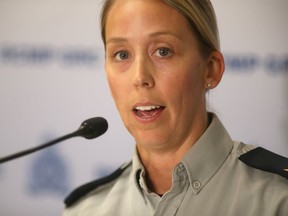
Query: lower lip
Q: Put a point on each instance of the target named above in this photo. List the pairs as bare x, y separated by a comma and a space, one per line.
147, 118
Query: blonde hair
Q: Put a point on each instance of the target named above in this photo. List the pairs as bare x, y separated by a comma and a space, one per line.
199, 13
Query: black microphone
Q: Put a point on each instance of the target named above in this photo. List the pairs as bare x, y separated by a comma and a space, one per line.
89, 129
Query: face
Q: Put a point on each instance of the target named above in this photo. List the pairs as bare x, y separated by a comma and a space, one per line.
156, 73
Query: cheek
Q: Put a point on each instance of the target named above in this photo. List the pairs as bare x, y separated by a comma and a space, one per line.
188, 88
117, 91
114, 90
116, 79
196, 78
113, 81
189, 81
111, 85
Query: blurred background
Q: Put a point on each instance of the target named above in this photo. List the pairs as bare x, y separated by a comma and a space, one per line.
52, 78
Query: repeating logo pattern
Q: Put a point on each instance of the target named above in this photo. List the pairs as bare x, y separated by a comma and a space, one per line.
22, 54
271, 64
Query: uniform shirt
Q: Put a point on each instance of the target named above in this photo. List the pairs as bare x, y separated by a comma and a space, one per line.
210, 180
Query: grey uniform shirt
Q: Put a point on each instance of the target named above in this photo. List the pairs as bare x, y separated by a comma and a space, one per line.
210, 180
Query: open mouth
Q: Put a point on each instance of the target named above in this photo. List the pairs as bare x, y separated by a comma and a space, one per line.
148, 112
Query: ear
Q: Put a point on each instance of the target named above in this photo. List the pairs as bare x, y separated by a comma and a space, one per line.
216, 67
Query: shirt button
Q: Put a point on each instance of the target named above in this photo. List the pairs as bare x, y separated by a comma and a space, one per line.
196, 184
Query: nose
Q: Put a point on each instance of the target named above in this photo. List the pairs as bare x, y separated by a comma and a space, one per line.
143, 73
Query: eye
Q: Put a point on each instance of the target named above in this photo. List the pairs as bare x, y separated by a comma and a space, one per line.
163, 52
121, 55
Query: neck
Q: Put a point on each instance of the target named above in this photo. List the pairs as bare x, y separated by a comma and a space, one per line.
159, 163
158, 172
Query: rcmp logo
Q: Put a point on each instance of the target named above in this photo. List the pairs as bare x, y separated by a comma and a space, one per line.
49, 174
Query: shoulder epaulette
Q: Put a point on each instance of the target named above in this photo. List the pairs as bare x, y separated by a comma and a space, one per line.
265, 160
81, 191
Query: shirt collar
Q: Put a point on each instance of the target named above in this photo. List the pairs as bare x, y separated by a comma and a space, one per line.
137, 169
207, 155
204, 158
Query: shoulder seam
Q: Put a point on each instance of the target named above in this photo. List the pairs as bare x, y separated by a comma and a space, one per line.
262, 159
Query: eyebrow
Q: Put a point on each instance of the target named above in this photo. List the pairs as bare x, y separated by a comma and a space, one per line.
164, 33
116, 40
152, 35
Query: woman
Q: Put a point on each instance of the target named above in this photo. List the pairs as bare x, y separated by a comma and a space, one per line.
162, 56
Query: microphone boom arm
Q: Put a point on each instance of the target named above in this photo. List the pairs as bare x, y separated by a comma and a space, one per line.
31, 150
89, 129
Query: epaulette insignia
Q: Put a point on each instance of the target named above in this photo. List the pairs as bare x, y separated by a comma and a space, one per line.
265, 160
81, 191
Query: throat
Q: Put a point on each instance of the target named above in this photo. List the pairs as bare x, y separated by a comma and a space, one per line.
158, 183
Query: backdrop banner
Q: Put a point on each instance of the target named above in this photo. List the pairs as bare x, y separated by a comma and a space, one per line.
52, 78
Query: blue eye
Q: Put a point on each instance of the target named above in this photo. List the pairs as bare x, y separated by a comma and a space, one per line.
121, 55
163, 52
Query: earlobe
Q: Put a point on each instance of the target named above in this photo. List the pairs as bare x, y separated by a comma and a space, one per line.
216, 67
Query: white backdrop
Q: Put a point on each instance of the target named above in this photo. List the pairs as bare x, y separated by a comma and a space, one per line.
52, 78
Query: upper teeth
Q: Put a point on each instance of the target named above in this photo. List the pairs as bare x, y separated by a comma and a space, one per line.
147, 108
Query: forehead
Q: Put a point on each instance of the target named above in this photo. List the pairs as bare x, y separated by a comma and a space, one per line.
142, 16
133, 9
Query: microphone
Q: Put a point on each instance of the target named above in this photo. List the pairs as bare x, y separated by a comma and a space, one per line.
89, 129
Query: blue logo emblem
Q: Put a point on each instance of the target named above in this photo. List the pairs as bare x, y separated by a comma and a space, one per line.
49, 174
